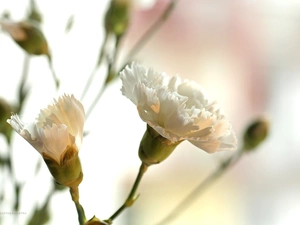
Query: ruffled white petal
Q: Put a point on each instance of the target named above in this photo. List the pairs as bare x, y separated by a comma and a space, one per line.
27, 131
226, 142
137, 74
67, 110
57, 126
130, 79
177, 110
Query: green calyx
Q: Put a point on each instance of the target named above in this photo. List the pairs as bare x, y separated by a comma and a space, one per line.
154, 148
68, 172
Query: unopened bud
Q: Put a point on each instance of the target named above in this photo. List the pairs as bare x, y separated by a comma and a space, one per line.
154, 148
27, 35
117, 17
255, 134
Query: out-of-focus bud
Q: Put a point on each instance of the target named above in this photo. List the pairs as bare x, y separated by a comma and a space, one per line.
5, 15
154, 148
95, 221
117, 17
255, 134
27, 35
5, 111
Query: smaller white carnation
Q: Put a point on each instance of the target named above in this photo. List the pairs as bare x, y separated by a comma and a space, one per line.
58, 128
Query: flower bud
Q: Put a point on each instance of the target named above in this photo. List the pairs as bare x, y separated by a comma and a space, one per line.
27, 35
117, 17
95, 221
154, 148
5, 15
256, 134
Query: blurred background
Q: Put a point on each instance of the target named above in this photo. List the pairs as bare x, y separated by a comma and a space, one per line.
245, 54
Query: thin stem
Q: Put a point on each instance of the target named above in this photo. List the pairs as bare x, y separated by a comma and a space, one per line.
193, 195
22, 92
88, 83
152, 30
132, 195
55, 78
91, 77
25, 69
113, 61
81, 214
80, 211
94, 103
110, 70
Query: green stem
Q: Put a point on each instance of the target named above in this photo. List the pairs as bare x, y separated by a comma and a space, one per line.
81, 214
80, 211
25, 70
152, 30
110, 70
132, 195
91, 77
193, 195
55, 78
94, 103
22, 92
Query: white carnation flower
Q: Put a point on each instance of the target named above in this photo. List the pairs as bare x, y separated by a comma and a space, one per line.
177, 110
57, 131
